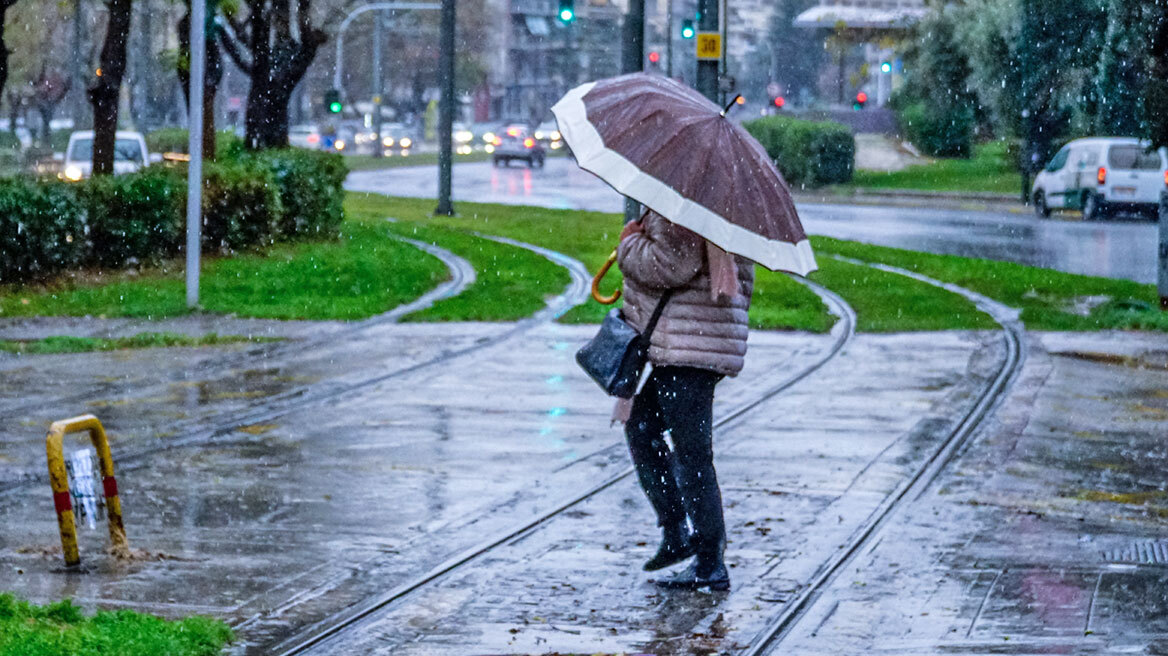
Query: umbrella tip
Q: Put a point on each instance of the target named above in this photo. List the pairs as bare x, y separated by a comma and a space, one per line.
732, 102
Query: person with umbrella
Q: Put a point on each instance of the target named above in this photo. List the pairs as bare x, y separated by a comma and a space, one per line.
716, 204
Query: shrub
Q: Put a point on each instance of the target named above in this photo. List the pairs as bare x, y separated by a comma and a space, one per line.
808, 153
311, 190
241, 205
938, 132
42, 229
135, 216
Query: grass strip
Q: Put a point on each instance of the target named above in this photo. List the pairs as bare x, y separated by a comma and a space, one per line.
1048, 299
371, 163
364, 272
61, 628
989, 170
69, 344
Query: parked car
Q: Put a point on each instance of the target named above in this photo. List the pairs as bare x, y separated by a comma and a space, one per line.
305, 136
130, 154
1101, 177
518, 143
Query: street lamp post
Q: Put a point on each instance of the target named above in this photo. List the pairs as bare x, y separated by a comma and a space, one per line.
633, 60
378, 151
195, 148
446, 113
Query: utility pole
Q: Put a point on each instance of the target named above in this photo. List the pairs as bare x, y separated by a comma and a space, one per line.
446, 113
378, 151
632, 61
1163, 252
195, 148
80, 67
708, 23
669, 38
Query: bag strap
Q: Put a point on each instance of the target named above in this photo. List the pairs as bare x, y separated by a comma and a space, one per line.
649, 327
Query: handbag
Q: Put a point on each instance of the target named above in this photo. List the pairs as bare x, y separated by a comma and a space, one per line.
616, 356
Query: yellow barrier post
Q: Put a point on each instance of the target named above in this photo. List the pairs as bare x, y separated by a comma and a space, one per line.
59, 480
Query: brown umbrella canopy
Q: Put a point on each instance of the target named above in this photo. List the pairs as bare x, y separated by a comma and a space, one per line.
665, 145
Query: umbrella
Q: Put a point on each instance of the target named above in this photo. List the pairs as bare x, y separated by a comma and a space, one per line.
666, 146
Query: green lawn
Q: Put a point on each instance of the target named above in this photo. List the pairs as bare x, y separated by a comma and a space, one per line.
1046, 297
69, 344
62, 629
989, 170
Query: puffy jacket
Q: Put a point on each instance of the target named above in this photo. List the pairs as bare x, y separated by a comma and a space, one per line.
694, 330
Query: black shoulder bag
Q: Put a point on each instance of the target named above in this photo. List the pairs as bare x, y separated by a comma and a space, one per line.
616, 356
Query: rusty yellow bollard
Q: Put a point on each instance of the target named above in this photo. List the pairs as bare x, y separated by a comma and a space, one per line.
59, 480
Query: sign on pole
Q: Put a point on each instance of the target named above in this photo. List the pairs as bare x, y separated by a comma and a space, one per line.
709, 46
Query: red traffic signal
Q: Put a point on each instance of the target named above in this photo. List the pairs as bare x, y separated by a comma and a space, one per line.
861, 97
654, 56
780, 101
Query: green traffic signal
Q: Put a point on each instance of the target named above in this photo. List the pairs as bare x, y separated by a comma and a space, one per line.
687, 29
332, 100
335, 107
567, 10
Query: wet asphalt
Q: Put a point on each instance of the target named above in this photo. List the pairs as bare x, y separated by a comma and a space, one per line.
1120, 248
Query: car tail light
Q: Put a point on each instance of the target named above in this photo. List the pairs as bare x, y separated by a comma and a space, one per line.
498, 141
1166, 178
313, 138
529, 142
1101, 176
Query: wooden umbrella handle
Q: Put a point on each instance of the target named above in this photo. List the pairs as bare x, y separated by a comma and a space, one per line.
604, 300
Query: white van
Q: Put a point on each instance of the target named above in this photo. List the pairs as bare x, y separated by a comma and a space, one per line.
129, 154
1102, 176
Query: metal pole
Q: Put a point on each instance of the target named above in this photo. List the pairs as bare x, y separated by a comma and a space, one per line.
446, 113
707, 79
378, 151
79, 67
195, 148
632, 61
669, 38
1163, 278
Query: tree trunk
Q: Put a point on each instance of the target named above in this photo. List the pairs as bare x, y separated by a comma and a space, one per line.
104, 94
266, 122
5, 5
212, 76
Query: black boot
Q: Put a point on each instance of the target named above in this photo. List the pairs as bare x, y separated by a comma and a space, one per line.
675, 547
704, 572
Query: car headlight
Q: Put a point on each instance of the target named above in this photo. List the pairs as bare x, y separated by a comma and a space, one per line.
387, 142
73, 172
405, 142
539, 134
489, 148
339, 144
463, 136
489, 137
555, 135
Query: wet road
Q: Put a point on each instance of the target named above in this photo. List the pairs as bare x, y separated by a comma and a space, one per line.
1116, 249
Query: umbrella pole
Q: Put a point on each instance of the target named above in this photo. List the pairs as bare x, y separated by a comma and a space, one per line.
730, 104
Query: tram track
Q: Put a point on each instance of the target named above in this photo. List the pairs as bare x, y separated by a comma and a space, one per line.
319, 637
315, 638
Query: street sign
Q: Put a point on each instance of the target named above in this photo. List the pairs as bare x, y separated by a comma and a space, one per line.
709, 45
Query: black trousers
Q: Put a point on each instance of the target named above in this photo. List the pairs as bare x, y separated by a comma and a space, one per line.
680, 481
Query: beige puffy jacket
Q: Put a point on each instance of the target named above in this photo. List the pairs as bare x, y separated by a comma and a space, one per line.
694, 330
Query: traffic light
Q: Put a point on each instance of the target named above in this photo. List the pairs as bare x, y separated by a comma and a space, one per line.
886, 67
332, 100
687, 29
567, 11
780, 101
654, 57
861, 100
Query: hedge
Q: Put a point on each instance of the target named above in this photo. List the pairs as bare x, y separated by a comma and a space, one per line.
808, 153
250, 200
938, 132
176, 140
42, 228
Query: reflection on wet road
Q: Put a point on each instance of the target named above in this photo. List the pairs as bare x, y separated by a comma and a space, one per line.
1116, 249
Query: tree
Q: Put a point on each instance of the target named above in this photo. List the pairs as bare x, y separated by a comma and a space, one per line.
273, 42
106, 90
48, 90
212, 74
5, 5
1156, 89
1122, 69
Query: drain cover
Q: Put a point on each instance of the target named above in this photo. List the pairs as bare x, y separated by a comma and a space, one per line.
1150, 552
